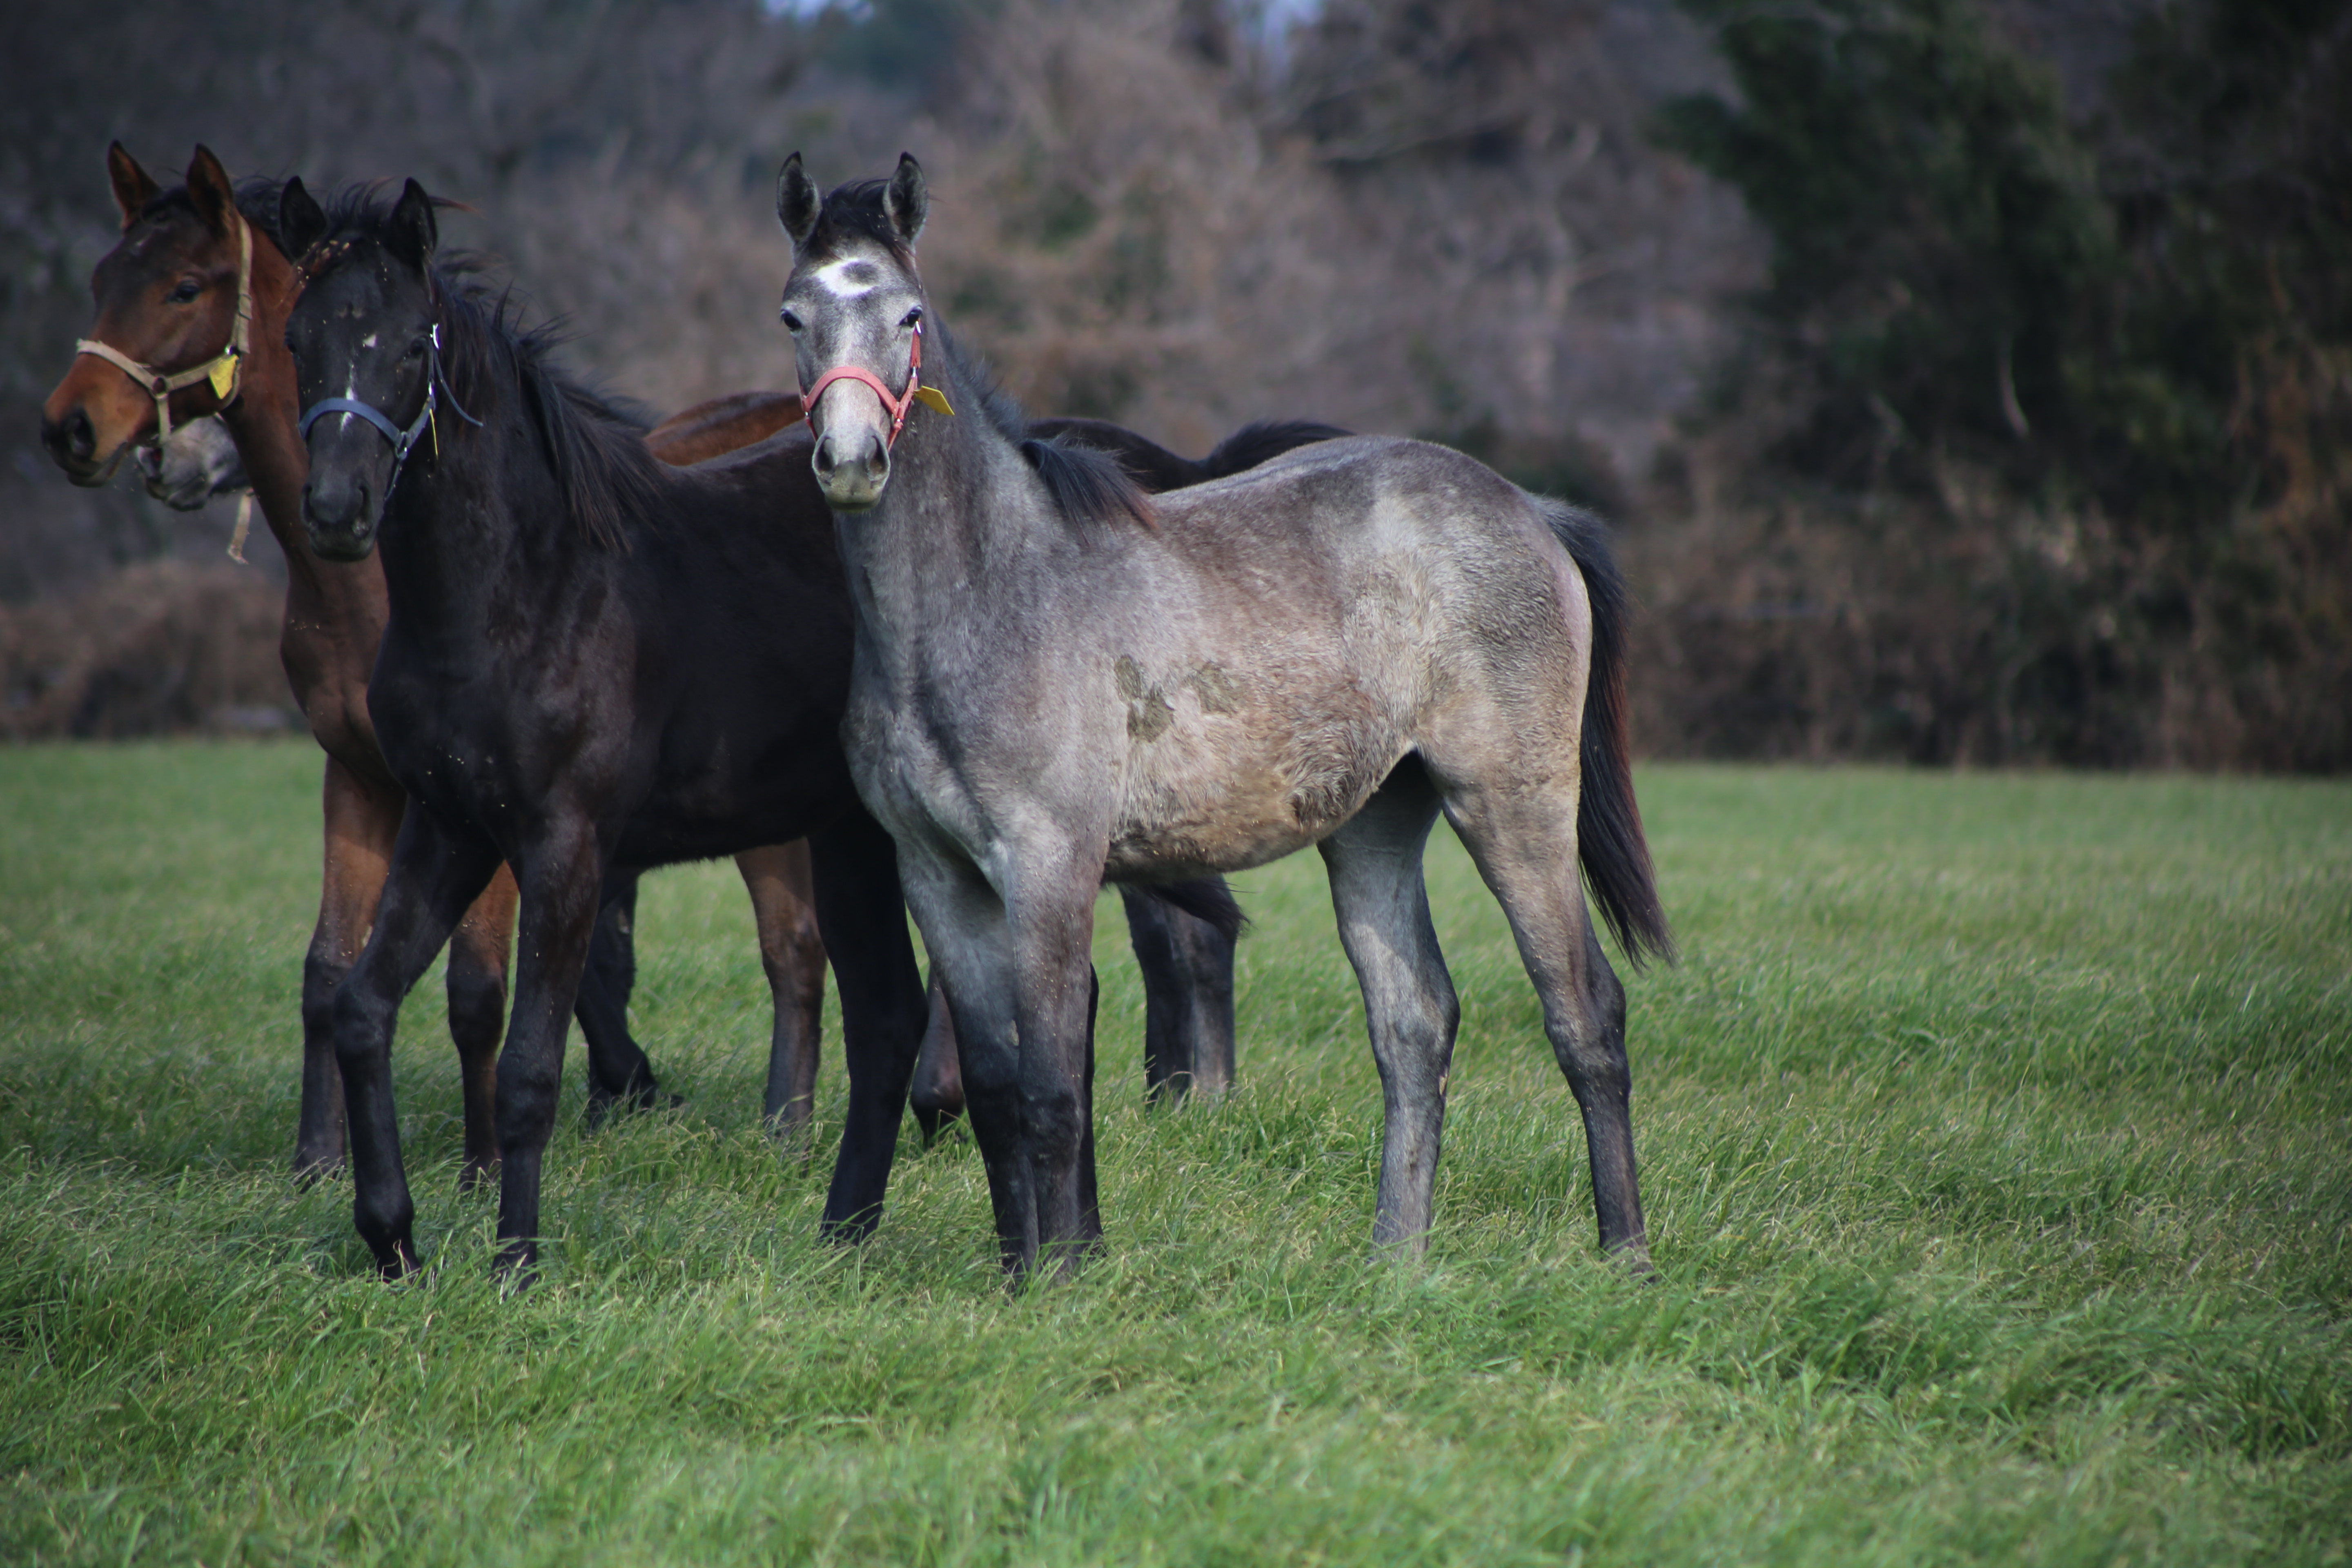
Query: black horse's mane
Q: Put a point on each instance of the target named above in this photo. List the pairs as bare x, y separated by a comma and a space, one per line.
1088, 487
593, 443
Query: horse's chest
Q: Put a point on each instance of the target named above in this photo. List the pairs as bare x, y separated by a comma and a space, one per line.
453, 741
898, 764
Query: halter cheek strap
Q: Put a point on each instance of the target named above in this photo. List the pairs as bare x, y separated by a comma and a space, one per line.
404, 441
224, 370
898, 406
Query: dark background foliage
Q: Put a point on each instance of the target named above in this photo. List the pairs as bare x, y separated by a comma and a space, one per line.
2056, 388
1969, 380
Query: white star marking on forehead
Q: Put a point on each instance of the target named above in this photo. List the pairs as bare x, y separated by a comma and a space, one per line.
850, 280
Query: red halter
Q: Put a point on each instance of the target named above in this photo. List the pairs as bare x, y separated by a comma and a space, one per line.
897, 406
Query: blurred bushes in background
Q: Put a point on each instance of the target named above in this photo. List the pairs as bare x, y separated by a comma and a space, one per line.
2037, 445
1970, 380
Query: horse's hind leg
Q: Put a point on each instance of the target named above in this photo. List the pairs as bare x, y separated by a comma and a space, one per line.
1408, 1001
1187, 988
784, 904
936, 1097
362, 821
620, 1077
563, 885
1524, 841
477, 1016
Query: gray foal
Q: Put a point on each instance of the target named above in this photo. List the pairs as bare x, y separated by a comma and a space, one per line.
1058, 683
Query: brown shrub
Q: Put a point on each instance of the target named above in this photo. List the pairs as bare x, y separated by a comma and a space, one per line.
161, 647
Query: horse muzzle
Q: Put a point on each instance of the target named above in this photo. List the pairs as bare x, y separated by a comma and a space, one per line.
73, 444
181, 490
339, 514
852, 466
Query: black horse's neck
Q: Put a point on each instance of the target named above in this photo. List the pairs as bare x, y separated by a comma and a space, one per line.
468, 557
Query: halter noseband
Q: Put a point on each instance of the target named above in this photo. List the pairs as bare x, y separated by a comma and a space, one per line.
898, 406
224, 370
402, 441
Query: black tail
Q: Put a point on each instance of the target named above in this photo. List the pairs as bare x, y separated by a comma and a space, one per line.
1254, 444
1608, 821
1206, 898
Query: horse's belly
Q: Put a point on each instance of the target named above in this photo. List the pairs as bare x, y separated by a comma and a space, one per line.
1210, 792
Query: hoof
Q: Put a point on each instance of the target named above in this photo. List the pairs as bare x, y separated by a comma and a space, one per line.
399, 1264
314, 1172
310, 1170
794, 1137
517, 1268
849, 1232
603, 1107
933, 1121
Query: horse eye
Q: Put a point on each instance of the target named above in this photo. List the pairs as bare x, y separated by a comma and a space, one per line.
912, 317
188, 289
792, 322
415, 350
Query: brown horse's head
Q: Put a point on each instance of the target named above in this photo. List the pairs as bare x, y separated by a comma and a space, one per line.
167, 298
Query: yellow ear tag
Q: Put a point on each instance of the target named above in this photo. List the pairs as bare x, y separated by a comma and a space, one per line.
223, 376
932, 398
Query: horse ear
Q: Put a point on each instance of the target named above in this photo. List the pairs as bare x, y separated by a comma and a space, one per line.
904, 202
209, 189
133, 186
796, 202
412, 231
301, 221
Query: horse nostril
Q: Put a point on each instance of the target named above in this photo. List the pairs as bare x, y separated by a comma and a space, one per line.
825, 462
81, 436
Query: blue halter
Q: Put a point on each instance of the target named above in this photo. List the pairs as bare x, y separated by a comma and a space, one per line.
402, 441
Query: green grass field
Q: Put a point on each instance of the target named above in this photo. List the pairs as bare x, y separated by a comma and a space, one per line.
1997, 1144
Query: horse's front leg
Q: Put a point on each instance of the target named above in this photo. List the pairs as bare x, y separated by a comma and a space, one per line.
863, 920
562, 880
437, 871
363, 820
1052, 948
1021, 985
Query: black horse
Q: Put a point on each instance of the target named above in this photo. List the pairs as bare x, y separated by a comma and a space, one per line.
595, 665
